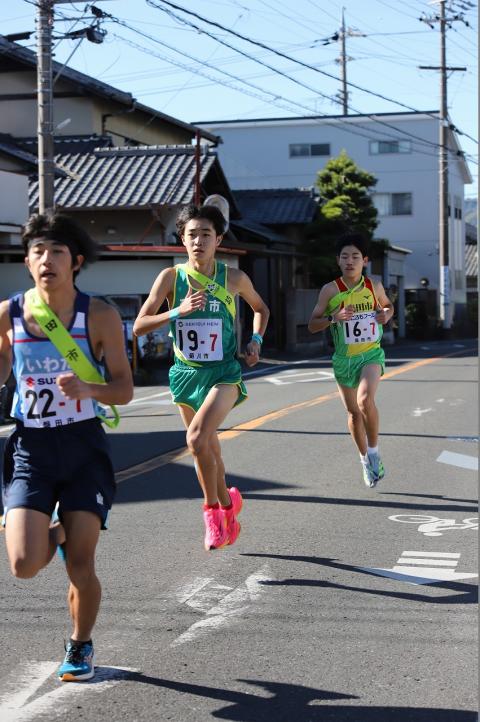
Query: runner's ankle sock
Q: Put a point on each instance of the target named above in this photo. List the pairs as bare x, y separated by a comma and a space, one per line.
226, 508
364, 457
372, 449
79, 642
206, 507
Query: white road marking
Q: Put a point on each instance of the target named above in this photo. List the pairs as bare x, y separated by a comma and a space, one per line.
192, 588
419, 412
285, 378
17, 690
142, 399
227, 606
410, 568
464, 461
56, 703
472, 439
433, 525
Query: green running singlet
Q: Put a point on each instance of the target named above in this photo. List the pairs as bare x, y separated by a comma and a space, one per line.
204, 344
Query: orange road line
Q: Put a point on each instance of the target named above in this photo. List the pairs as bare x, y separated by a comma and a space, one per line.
171, 456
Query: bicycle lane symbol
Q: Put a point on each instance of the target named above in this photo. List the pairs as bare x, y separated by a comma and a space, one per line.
433, 525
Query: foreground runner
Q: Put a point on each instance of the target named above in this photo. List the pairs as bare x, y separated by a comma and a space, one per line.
205, 379
58, 454
355, 307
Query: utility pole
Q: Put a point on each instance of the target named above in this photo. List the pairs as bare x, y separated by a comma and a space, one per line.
46, 167
443, 219
343, 65
342, 35
45, 106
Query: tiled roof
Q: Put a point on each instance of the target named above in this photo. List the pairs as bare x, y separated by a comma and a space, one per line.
9, 146
277, 206
128, 178
471, 260
69, 143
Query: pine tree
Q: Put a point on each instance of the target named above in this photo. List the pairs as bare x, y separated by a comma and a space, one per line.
344, 205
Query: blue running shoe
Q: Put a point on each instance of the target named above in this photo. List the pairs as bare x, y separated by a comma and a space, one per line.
377, 466
368, 475
78, 663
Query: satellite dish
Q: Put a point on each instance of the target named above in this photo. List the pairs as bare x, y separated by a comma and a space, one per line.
222, 204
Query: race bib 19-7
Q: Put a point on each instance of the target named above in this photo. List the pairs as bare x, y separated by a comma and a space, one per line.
200, 339
44, 405
362, 328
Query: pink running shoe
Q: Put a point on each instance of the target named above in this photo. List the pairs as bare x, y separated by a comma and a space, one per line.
215, 529
232, 525
237, 501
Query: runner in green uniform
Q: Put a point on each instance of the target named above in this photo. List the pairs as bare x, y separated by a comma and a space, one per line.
206, 380
355, 308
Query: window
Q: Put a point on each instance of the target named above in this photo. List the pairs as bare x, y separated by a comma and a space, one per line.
306, 150
393, 204
378, 147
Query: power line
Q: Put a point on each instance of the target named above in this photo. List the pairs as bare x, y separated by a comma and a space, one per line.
280, 72
154, 4
347, 126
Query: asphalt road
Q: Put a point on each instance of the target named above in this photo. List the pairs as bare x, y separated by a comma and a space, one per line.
337, 602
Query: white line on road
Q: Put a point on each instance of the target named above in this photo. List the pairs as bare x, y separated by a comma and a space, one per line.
419, 412
142, 399
17, 689
226, 608
464, 461
434, 555
56, 703
409, 568
285, 378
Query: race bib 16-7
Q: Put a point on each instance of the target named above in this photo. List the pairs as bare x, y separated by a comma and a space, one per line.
361, 328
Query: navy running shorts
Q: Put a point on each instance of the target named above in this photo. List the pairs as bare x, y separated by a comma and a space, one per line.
69, 464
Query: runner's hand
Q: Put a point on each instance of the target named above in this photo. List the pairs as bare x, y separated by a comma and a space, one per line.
73, 388
252, 353
345, 313
193, 301
383, 315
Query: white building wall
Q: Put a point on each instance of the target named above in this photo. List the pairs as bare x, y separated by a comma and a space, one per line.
255, 155
13, 198
117, 277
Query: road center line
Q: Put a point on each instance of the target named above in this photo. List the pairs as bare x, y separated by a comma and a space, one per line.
176, 454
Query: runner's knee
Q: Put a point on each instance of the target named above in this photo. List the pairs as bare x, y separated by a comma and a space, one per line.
80, 571
355, 416
365, 402
23, 567
196, 441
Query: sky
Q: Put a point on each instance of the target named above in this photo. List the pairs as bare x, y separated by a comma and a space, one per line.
188, 67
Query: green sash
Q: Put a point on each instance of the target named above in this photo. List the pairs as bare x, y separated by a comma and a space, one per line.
342, 296
215, 289
54, 329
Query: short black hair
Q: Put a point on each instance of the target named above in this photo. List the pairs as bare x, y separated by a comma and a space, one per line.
352, 238
208, 213
60, 228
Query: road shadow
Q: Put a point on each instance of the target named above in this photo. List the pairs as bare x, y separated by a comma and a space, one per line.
288, 702
439, 497
376, 502
462, 593
163, 485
